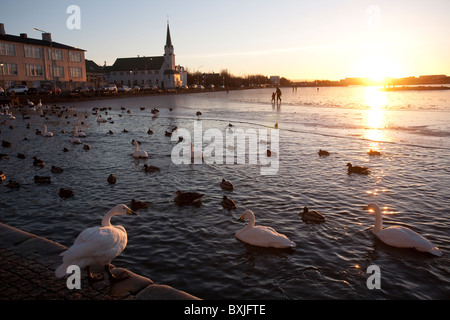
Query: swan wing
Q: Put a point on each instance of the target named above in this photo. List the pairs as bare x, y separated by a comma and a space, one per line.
403, 237
265, 237
97, 245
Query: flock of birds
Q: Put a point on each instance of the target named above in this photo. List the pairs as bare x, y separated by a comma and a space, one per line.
100, 245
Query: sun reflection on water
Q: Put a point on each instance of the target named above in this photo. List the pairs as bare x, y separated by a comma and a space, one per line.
376, 100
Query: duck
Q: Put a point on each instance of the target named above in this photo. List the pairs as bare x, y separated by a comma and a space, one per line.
65, 193
47, 133
323, 153
86, 147
168, 134
136, 205
374, 153
227, 185
55, 169
42, 179
21, 156
399, 236
198, 113
111, 179
2, 176
98, 246
38, 162
77, 133
227, 203
13, 184
261, 236
6, 144
150, 169
188, 198
149, 131
268, 153
3, 156
357, 169
139, 153
312, 216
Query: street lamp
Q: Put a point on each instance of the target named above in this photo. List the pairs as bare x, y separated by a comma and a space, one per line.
51, 58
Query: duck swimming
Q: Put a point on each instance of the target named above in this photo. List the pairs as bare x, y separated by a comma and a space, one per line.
65, 193
188, 198
262, 236
38, 162
399, 236
374, 153
136, 205
150, 169
56, 169
323, 153
312, 216
42, 179
227, 203
357, 169
111, 179
98, 246
227, 185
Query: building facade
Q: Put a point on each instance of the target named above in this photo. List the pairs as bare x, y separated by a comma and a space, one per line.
157, 71
33, 62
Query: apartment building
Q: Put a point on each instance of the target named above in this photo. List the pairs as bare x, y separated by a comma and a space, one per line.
33, 62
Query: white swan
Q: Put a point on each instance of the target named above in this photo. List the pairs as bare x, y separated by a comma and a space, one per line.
100, 119
138, 153
260, 235
47, 133
75, 140
39, 105
401, 237
78, 133
97, 245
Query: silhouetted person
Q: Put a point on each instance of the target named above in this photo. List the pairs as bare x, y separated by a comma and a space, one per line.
279, 95
273, 97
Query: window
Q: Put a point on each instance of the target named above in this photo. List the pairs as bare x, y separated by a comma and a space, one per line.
34, 70
7, 49
57, 54
75, 56
76, 73
9, 68
32, 52
58, 71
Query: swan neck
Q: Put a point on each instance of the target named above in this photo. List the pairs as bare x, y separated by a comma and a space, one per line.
378, 221
106, 221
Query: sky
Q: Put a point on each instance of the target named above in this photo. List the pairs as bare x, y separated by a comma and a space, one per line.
296, 39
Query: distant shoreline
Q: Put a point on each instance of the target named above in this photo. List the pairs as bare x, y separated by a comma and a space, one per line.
418, 88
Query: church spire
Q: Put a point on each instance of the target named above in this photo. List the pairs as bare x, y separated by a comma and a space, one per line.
168, 39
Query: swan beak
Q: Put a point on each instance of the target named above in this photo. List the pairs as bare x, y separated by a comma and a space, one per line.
131, 212
242, 217
366, 208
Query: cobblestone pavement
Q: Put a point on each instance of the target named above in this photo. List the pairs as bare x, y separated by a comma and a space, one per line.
25, 279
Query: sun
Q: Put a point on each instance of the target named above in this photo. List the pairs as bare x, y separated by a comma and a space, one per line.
379, 65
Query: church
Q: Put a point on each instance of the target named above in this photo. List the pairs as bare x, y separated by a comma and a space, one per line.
159, 71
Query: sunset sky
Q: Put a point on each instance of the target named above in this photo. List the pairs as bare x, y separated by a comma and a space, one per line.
324, 39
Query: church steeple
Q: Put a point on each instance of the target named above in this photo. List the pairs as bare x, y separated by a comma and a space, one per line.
169, 55
168, 39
